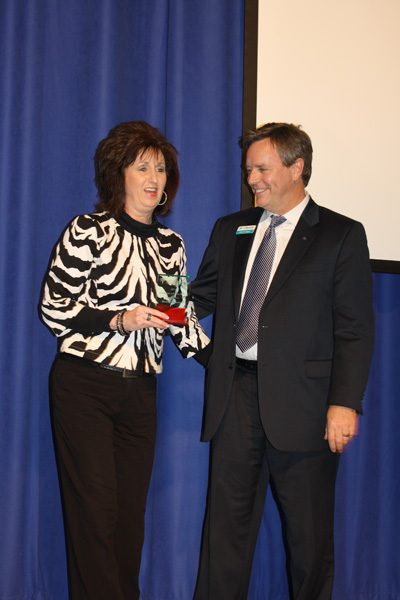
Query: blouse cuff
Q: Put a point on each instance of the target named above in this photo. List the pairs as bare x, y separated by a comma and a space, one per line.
92, 321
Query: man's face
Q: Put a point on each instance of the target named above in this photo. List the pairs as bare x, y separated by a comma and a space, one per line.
275, 187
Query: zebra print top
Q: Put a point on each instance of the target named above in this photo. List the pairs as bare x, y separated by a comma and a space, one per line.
102, 265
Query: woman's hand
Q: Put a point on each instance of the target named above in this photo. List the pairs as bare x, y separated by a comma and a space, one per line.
141, 317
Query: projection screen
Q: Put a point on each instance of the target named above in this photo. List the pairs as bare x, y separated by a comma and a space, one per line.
333, 67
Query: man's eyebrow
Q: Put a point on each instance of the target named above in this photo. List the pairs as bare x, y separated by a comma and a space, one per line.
258, 165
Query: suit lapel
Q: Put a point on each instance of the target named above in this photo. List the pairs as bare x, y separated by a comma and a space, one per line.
243, 245
301, 239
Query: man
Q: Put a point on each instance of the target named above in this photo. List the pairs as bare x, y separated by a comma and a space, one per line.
289, 284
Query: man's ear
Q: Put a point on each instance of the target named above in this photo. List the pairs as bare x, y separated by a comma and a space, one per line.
297, 169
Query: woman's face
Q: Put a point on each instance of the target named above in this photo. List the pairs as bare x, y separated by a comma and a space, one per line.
145, 181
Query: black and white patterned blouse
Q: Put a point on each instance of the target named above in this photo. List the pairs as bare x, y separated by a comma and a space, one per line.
101, 266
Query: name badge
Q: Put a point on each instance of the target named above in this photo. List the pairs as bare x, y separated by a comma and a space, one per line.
246, 229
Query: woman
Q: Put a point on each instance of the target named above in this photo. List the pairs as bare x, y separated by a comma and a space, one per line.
99, 299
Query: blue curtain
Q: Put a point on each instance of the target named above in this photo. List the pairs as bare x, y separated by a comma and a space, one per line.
70, 71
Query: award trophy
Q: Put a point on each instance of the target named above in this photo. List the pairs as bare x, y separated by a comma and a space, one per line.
172, 295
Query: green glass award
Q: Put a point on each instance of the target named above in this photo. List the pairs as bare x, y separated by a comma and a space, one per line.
172, 293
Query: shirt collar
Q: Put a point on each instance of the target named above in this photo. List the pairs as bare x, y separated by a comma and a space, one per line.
293, 215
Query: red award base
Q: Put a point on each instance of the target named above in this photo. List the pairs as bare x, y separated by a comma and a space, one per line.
177, 316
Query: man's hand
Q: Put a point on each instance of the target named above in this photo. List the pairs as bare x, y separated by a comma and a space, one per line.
341, 427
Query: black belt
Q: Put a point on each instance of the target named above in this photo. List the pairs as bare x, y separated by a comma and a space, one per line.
127, 373
247, 365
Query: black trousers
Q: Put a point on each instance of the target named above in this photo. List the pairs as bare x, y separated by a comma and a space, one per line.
243, 463
104, 428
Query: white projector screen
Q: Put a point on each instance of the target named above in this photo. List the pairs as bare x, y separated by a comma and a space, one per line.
334, 69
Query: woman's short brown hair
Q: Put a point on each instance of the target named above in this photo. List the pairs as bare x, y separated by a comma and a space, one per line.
120, 149
290, 141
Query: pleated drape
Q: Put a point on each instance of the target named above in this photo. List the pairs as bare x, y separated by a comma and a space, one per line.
69, 72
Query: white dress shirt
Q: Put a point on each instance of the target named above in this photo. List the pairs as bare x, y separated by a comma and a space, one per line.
283, 234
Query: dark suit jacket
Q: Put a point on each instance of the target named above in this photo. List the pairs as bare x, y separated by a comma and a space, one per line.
315, 327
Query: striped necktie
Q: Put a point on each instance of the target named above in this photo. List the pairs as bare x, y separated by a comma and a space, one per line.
257, 285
